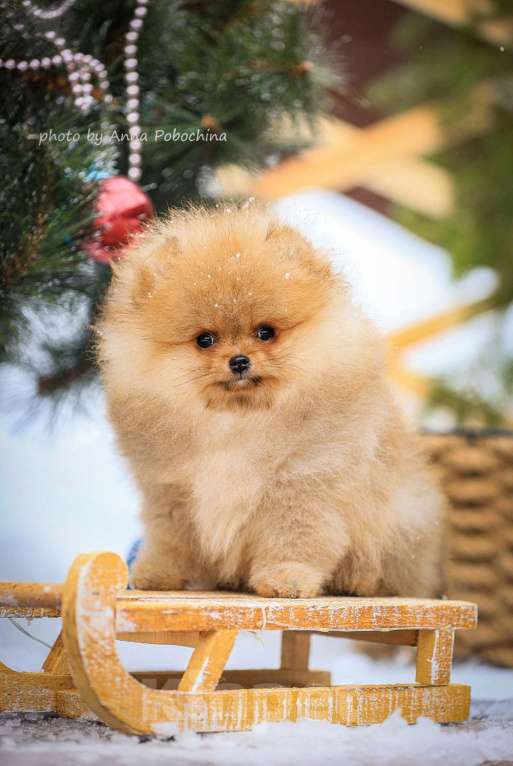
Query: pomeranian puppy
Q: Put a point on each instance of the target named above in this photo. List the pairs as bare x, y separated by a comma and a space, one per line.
249, 395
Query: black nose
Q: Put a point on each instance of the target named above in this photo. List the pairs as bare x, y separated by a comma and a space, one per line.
239, 364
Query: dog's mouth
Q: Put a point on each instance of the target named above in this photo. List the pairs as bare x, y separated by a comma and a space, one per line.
241, 382
242, 392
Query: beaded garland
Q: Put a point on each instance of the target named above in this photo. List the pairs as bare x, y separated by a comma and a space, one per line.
82, 68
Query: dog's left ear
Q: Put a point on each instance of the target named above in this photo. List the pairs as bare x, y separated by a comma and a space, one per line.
286, 240
280, 232
290, 243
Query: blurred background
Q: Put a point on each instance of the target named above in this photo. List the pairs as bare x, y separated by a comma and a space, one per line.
382, 129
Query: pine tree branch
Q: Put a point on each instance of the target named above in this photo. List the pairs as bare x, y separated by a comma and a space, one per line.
48, 385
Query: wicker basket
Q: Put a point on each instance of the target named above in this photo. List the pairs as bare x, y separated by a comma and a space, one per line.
476, 470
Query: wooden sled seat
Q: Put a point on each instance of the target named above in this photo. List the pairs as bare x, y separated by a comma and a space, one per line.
83, 672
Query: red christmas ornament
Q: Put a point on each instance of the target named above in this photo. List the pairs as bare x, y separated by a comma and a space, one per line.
123, 208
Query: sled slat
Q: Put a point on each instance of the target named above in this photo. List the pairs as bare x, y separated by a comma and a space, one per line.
170, 637
154, 611
139, 611
30, 599
393, 637
169, 679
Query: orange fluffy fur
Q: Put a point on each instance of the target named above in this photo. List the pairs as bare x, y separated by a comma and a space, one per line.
297, 479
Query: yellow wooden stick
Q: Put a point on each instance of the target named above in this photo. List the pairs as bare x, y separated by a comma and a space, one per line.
295, 650
56, 661
208, 661
434, 656
463, 12
446, 320
411, 182
412, 133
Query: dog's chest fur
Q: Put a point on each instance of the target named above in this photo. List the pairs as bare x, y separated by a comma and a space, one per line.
228, 474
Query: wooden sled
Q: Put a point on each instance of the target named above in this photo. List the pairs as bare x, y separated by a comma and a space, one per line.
83, 673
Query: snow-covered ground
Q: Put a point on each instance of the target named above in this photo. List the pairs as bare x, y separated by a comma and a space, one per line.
33, 741
65, 490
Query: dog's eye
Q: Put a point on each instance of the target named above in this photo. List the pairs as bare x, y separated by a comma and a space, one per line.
265, 332
205, 339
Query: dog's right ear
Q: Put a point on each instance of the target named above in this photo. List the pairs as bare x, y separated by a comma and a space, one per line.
150, 266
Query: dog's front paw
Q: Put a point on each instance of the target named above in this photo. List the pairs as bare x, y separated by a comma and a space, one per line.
369, 584
287, 580
147, 576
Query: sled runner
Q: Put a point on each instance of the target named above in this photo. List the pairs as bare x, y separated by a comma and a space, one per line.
83, 673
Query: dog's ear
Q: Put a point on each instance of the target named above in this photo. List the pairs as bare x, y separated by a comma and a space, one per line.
142, 285
151, 266
278, 232
287, 240
291, 244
